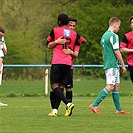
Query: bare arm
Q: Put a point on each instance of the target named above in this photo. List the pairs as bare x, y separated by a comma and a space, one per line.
84, 41
58, 41
126, 50
73, 53
4, 51
119, 57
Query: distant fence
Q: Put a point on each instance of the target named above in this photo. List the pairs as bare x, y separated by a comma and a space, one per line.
46, 66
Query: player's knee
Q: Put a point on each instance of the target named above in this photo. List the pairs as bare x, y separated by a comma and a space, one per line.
68, 89
55, 85
110, 87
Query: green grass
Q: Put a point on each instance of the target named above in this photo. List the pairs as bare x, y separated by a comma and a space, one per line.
29, 115
28, 109
82, 87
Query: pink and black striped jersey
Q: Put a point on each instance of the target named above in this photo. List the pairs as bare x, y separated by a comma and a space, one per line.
73, 41
127, 42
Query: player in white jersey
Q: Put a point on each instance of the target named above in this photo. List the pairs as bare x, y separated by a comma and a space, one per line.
3, 52
111, 58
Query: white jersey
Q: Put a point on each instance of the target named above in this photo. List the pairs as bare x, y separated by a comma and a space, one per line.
3, 45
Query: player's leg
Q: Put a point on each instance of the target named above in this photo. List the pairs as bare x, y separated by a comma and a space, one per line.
131, 73
52, 101
116, 96
59, 74
57, 102
109, 87
69, 86
1, 65
1, 69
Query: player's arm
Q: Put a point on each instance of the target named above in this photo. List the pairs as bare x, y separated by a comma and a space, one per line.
73, 53
126, 50
81, 39
119, 57
84, 41
60, 40
4, 49
123, 46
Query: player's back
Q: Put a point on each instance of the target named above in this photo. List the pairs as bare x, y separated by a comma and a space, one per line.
59, 57
107, 42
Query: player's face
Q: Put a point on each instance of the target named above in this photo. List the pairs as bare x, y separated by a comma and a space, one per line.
117, 27
131, 24
1, 34
72, 24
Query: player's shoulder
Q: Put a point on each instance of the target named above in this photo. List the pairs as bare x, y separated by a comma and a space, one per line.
55, 28
129, 33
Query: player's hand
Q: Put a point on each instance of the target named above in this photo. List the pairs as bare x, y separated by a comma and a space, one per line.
60, 40
124, 70
67, 51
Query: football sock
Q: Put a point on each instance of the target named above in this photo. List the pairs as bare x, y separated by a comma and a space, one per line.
58, 92
116, 98
52, 99
58, 101
69, 96
100, 97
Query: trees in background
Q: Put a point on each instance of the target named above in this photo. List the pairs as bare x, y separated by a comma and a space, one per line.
28, 22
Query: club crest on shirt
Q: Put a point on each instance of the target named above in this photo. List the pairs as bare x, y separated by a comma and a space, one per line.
66, 32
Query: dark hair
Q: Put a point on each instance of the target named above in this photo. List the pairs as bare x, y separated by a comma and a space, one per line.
72, 19
63, 18
2, 30
130, 19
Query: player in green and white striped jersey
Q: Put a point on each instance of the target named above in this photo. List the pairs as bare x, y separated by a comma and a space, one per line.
111, 58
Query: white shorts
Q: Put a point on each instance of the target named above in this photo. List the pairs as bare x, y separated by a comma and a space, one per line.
112, 75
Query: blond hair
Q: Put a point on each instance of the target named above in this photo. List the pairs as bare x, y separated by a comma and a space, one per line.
114, 20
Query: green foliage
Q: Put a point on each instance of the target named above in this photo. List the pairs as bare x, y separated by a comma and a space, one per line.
28, 23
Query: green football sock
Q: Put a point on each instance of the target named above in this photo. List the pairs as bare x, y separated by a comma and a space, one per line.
100, 97
116, 98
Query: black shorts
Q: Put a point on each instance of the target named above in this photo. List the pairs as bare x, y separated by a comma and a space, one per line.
70, 80
59, 73
131, 72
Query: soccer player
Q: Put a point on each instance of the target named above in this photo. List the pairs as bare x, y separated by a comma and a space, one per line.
72, 24
61, 62
111, 58
3, 52
126, 46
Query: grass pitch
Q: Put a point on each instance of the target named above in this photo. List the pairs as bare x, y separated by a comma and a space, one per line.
29, 115
28, 109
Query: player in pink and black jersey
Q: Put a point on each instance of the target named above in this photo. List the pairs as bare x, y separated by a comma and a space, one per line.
72, 24
127, 47
61, 62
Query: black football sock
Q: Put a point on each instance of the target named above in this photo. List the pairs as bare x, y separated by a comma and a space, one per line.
69, 96
58, 101
52, 99
58, 92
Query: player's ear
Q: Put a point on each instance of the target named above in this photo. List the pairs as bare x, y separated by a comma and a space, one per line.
59, 23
